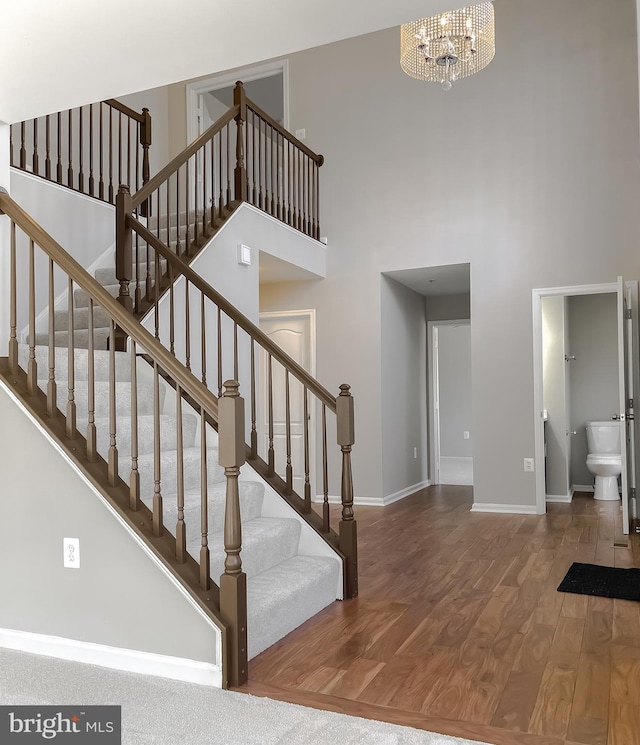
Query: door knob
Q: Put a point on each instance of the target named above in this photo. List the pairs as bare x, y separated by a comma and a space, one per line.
571, 432
618, 417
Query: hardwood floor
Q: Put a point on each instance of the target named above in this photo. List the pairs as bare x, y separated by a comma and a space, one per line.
459, 628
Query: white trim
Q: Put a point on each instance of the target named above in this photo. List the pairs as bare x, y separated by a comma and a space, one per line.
246, 74
508, 509
536, 309
583, 487
376, 501
316, 244
65, 189
434, 395
151, 554
115, 658
559, 498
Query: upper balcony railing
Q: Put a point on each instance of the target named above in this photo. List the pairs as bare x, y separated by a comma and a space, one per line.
91, 149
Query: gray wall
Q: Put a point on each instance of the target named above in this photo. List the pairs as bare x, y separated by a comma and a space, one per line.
454, 377
448, 307
510, 171
593, 339
118, 597
404, 386
553, 394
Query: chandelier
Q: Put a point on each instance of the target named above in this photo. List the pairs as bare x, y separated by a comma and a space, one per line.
450, 46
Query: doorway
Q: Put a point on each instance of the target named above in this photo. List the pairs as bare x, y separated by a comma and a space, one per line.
450, 402
267, 85
585, 369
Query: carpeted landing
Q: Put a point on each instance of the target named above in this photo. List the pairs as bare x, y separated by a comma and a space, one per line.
156, 711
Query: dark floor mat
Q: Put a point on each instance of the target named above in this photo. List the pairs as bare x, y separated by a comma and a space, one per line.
606, 582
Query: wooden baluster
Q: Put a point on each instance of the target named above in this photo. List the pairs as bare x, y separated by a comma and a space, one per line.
137, 298
289, 183
196, 171
34, 158
129, 179
325, 473
172, 315
307, 193
120, 153
273, 174
260, 179
205, 558
134, 476
204, 190
112, 458
168, 213
203, 340
101, 152
156, 300
47, 145
81, 153
13, 305
178, 244
91, 389
307, 457
157, 454
348, 527
70, 141
23, 149
219, 335
320, 162
137, 168
145, 141
287, 404
187, 206
110, 136
278, 186
187, 320
221, 179
294, 186
270, 450
32, 366
254, 431
235, 350
91, 177
233, 583
71, 364
59, 140
181, 528
228, 130
124, 256
52, 393
212, 213
240, 174
300, 192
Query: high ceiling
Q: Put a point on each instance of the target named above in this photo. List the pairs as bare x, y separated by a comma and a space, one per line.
57, 55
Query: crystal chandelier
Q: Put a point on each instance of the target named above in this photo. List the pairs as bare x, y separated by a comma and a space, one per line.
450, 46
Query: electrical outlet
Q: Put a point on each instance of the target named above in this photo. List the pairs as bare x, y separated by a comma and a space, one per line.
301, 133
415, 452
71, 553
528, 465
465, 435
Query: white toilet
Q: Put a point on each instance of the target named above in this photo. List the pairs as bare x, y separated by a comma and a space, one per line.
604, 459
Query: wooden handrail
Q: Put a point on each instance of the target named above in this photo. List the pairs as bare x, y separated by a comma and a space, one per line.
319, 159
243, 322
131, 113
127, 322
173, 165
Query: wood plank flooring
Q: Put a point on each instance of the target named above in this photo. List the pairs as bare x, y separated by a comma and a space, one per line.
459, 628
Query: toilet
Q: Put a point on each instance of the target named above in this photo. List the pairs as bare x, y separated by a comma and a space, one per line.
604, 459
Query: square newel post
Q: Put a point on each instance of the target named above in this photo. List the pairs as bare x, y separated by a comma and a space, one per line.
240, 173
348, 530
233, 583
124, 257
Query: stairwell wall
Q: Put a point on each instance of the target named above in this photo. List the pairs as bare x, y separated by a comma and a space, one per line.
5, 283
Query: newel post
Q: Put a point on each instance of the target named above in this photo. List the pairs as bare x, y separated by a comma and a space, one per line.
233, 583
348, 530
145, 142
240, 174
124, 259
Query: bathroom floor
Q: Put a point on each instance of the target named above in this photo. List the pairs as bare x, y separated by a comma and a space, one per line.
459, 627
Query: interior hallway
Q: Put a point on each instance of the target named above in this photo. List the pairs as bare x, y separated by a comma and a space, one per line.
459, 628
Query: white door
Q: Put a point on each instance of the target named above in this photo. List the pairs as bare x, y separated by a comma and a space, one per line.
625, 388
293, 332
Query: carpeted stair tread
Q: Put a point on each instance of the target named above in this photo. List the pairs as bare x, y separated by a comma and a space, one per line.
285, 596
266, 542
168, 470
107, 275
146, 433
101, 319
101, 362
251, 500
80, 338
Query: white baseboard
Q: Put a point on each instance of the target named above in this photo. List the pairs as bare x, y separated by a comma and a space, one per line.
376, 501
115, 658
560, 498
582, 487
508, 509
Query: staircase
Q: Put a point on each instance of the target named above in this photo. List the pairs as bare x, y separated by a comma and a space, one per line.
155, 428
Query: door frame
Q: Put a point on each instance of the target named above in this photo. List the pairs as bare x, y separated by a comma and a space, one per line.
434, 393
310, 315
246, 74
538, 398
